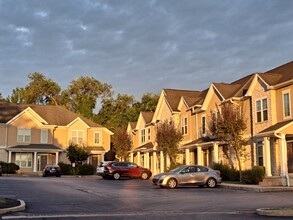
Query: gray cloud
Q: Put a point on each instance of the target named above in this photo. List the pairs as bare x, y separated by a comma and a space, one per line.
143, 46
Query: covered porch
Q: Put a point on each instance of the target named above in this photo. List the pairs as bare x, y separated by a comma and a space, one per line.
34, 157
278, 154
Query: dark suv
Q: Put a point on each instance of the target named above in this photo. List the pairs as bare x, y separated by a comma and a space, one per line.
126, 169
52, 170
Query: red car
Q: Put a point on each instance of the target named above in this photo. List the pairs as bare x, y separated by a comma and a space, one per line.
126, 169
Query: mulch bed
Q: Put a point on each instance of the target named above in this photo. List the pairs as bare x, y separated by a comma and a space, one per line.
8, 203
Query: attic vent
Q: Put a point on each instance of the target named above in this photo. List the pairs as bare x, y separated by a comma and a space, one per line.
244, 92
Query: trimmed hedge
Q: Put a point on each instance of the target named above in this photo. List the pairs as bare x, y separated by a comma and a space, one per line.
254, 175
86, 169
9, 168
66, 169
227, 173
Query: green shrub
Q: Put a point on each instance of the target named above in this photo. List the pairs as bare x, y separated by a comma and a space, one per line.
227, 173
66, 169
9, 168
254, 175
86, 169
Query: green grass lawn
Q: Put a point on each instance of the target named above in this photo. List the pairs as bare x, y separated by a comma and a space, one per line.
7, 203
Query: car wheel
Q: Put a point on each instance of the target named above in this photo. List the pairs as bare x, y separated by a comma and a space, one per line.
211, 183
144, 176
172, 183
116, 176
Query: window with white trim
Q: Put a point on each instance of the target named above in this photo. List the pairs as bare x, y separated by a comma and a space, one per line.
97, 138
149, 134
259, 148
23, 135
184, 125
286, 105
44, 136
77, 137
142, 136
203, 125
24, 160
262, 110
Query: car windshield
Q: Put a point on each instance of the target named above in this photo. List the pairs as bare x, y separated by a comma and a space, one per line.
177, 169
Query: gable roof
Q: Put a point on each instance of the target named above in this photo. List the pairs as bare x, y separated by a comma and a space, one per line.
53, 114
279, 74
148, 116
173, 96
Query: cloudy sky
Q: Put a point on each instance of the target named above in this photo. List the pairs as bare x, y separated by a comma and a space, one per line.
141, 46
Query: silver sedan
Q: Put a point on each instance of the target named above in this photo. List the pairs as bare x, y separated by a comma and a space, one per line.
188, 175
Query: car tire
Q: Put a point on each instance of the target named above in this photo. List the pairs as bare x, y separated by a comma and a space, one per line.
144, 175
211, 183
172, 183
116, 176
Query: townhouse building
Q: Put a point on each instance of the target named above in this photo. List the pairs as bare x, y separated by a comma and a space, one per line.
266, 100
35, 135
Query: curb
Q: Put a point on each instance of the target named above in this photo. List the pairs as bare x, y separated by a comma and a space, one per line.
284, 212
21, 207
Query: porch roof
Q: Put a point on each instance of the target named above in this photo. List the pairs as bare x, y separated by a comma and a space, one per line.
146, 147
199, 142
285, 127
96, 148
50, 148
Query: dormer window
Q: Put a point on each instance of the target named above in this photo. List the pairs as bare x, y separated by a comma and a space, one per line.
142, 136
184, 125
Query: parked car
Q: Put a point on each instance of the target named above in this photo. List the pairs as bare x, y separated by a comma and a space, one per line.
101, 168
0, 170
189, 175
126, 169
52, 170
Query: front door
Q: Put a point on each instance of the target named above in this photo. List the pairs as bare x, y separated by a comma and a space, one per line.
290, 157
43, 161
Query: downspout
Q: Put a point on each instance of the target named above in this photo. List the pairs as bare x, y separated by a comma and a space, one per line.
286, 174
251, 126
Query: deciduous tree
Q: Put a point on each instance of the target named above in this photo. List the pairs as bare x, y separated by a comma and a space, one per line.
228, 125
121, 143
40, 90
168, 137
82, 94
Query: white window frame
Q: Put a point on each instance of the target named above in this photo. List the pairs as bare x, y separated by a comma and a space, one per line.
184, 125
24, 160
44, 136
80, 134
259, 152
99, 139
262, 110
142, 136
287, 92
149, 134
24, 135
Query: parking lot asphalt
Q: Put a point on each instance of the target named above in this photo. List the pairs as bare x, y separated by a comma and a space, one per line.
254, 188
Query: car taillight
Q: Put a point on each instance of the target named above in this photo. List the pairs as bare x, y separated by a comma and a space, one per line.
57, 168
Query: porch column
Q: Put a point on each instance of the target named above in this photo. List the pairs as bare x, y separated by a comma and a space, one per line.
147, 160
208, 157
283, 155
199, 156
187, 156
57, 157
138, 158
35, 161
131, 157
9, 156
216, 153
267, 156
154, 168
167, 161
162, 164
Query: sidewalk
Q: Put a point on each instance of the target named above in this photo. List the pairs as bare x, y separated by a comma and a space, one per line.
257, 188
